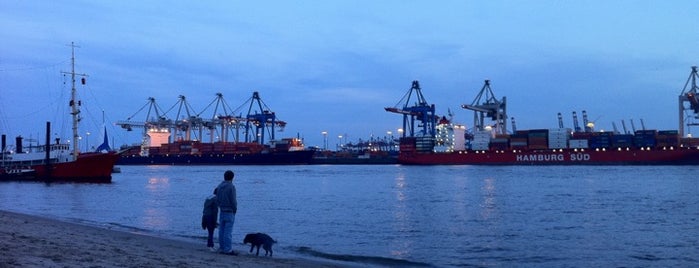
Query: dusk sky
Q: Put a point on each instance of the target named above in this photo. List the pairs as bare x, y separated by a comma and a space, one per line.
334, 65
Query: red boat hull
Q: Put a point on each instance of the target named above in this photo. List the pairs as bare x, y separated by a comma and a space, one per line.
89, 167
681, 156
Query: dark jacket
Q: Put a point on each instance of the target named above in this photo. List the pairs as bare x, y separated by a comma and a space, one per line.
210, 213
225, 194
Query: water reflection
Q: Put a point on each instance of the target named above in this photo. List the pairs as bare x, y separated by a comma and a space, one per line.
488, 207
155, 216
155, 219
401, 247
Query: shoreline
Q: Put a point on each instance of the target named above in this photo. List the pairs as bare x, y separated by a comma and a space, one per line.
35, 241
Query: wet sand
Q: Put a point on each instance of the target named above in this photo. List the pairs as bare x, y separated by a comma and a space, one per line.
31, 241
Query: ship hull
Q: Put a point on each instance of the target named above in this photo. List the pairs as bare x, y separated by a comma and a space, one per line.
90, 168
681, 156
271, 158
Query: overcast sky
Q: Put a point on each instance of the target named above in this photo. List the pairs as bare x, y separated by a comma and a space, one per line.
334, 65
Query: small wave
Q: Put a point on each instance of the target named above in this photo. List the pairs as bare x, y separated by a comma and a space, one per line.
126, 228
646, 257
106, 225
373, 260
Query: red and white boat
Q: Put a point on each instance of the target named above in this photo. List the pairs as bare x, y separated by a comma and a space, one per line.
57, 161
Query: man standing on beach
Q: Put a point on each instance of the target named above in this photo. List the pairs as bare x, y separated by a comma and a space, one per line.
228, 206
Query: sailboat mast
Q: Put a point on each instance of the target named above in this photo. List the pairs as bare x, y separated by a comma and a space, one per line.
74, 106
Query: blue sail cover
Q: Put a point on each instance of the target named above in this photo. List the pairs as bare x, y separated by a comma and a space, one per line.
104, 147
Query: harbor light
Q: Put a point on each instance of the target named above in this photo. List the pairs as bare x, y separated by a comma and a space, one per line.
325, 140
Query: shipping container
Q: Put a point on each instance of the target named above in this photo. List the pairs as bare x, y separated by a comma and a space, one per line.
480, 145
424, 144
578, 144
622, 140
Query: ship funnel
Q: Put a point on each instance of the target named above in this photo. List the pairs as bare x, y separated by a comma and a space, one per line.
18, 144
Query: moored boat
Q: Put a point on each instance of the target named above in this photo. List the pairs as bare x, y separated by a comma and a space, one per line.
667, 155
445, 143
199, 153
56, 162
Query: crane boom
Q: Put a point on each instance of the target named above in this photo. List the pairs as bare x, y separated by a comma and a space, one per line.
420, 111
486, 105
690, 94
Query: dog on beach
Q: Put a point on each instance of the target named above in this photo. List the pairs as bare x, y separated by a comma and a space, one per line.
260, 239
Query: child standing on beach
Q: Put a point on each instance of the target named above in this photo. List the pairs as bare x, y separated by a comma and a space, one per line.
209, 218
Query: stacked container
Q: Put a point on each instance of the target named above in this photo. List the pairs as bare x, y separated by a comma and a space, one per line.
600, 140
538, 138
558, 138
690, 142
668, 138
481, 140
407, 144
500, 142
622, 140
518, 141
578, 144
424, 144
645, 138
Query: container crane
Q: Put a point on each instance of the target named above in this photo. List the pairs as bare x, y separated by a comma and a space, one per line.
188, 122
156, 126
486, 105
589, 126
576, 125
155, 118
260, 121
421, 111
560, 120
689, 94
223, 119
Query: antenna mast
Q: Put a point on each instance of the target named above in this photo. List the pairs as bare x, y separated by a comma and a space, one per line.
74, 104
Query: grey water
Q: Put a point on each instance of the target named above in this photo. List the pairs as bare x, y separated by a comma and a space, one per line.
393, 215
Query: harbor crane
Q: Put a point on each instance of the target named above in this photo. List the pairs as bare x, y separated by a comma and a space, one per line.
576, 125
260, 121
589, 125
155, 118
188, 122
560, 120
257, 125
224, 119
486, 105
689, 95
156, 122
420, 111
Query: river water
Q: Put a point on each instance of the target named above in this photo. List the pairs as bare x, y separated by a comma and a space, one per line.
392, 215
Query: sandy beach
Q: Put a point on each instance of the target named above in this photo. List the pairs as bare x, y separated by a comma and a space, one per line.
31, 241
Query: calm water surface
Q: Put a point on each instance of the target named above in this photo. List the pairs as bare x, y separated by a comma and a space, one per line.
443, 216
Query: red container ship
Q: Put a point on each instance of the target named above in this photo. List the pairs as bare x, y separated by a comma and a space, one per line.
494, 145
684, 153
